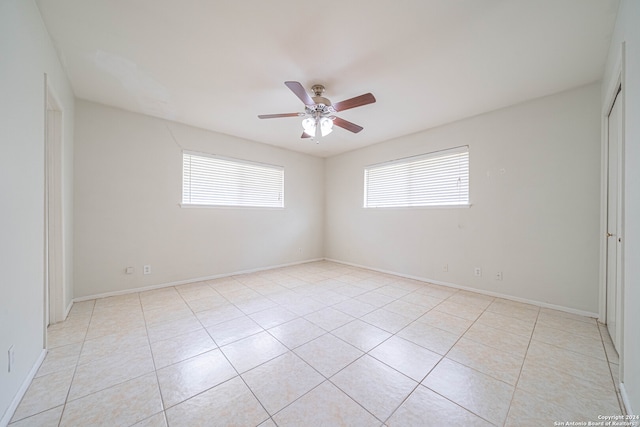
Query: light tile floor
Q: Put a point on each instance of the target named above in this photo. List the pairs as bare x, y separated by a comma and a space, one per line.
320, 344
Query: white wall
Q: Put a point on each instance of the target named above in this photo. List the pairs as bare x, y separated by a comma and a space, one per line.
538, 222
627, 30
128, 178
26, 54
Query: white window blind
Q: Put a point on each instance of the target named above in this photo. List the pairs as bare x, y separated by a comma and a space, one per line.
434, 179
219, 181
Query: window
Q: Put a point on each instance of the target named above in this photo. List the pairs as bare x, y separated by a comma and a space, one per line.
432, 179
218, 181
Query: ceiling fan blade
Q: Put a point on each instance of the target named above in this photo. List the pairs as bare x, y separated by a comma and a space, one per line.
275, 116
347, 125
305, 135
298, 89
358, 101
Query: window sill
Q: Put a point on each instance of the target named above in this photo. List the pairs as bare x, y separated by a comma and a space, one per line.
195, 206
465, 206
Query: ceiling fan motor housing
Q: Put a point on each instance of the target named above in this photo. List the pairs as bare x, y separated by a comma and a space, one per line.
322, 104
320, 107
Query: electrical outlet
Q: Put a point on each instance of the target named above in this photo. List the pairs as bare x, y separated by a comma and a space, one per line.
12, 358
477, 271
445, 267
147, 269
499, 275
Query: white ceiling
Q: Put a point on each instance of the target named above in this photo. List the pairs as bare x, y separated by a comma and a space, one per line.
218, 64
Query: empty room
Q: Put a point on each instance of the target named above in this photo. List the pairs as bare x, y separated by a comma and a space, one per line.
285, 213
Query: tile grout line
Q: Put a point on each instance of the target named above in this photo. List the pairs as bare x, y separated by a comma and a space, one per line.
75, 368
615, 386
445, 356
269, 415
153, 359
524, 359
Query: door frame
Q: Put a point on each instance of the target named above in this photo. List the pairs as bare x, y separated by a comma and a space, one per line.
615, 89
54, 310
614, 210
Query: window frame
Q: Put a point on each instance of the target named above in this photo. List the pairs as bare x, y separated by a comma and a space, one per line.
237, 162
463, 149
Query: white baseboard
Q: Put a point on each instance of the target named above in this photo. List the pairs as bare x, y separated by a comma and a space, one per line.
192, 280
479, 291
23, 389
68, 309
625, 399
395, 273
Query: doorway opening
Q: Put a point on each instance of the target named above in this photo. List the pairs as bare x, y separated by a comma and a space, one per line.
54, 310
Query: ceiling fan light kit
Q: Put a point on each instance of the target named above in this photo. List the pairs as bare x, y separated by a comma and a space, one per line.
318, 116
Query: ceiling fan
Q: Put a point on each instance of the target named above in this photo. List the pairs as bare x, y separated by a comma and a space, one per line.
319, 118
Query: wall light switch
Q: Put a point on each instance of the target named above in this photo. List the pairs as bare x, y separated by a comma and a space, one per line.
129, 270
